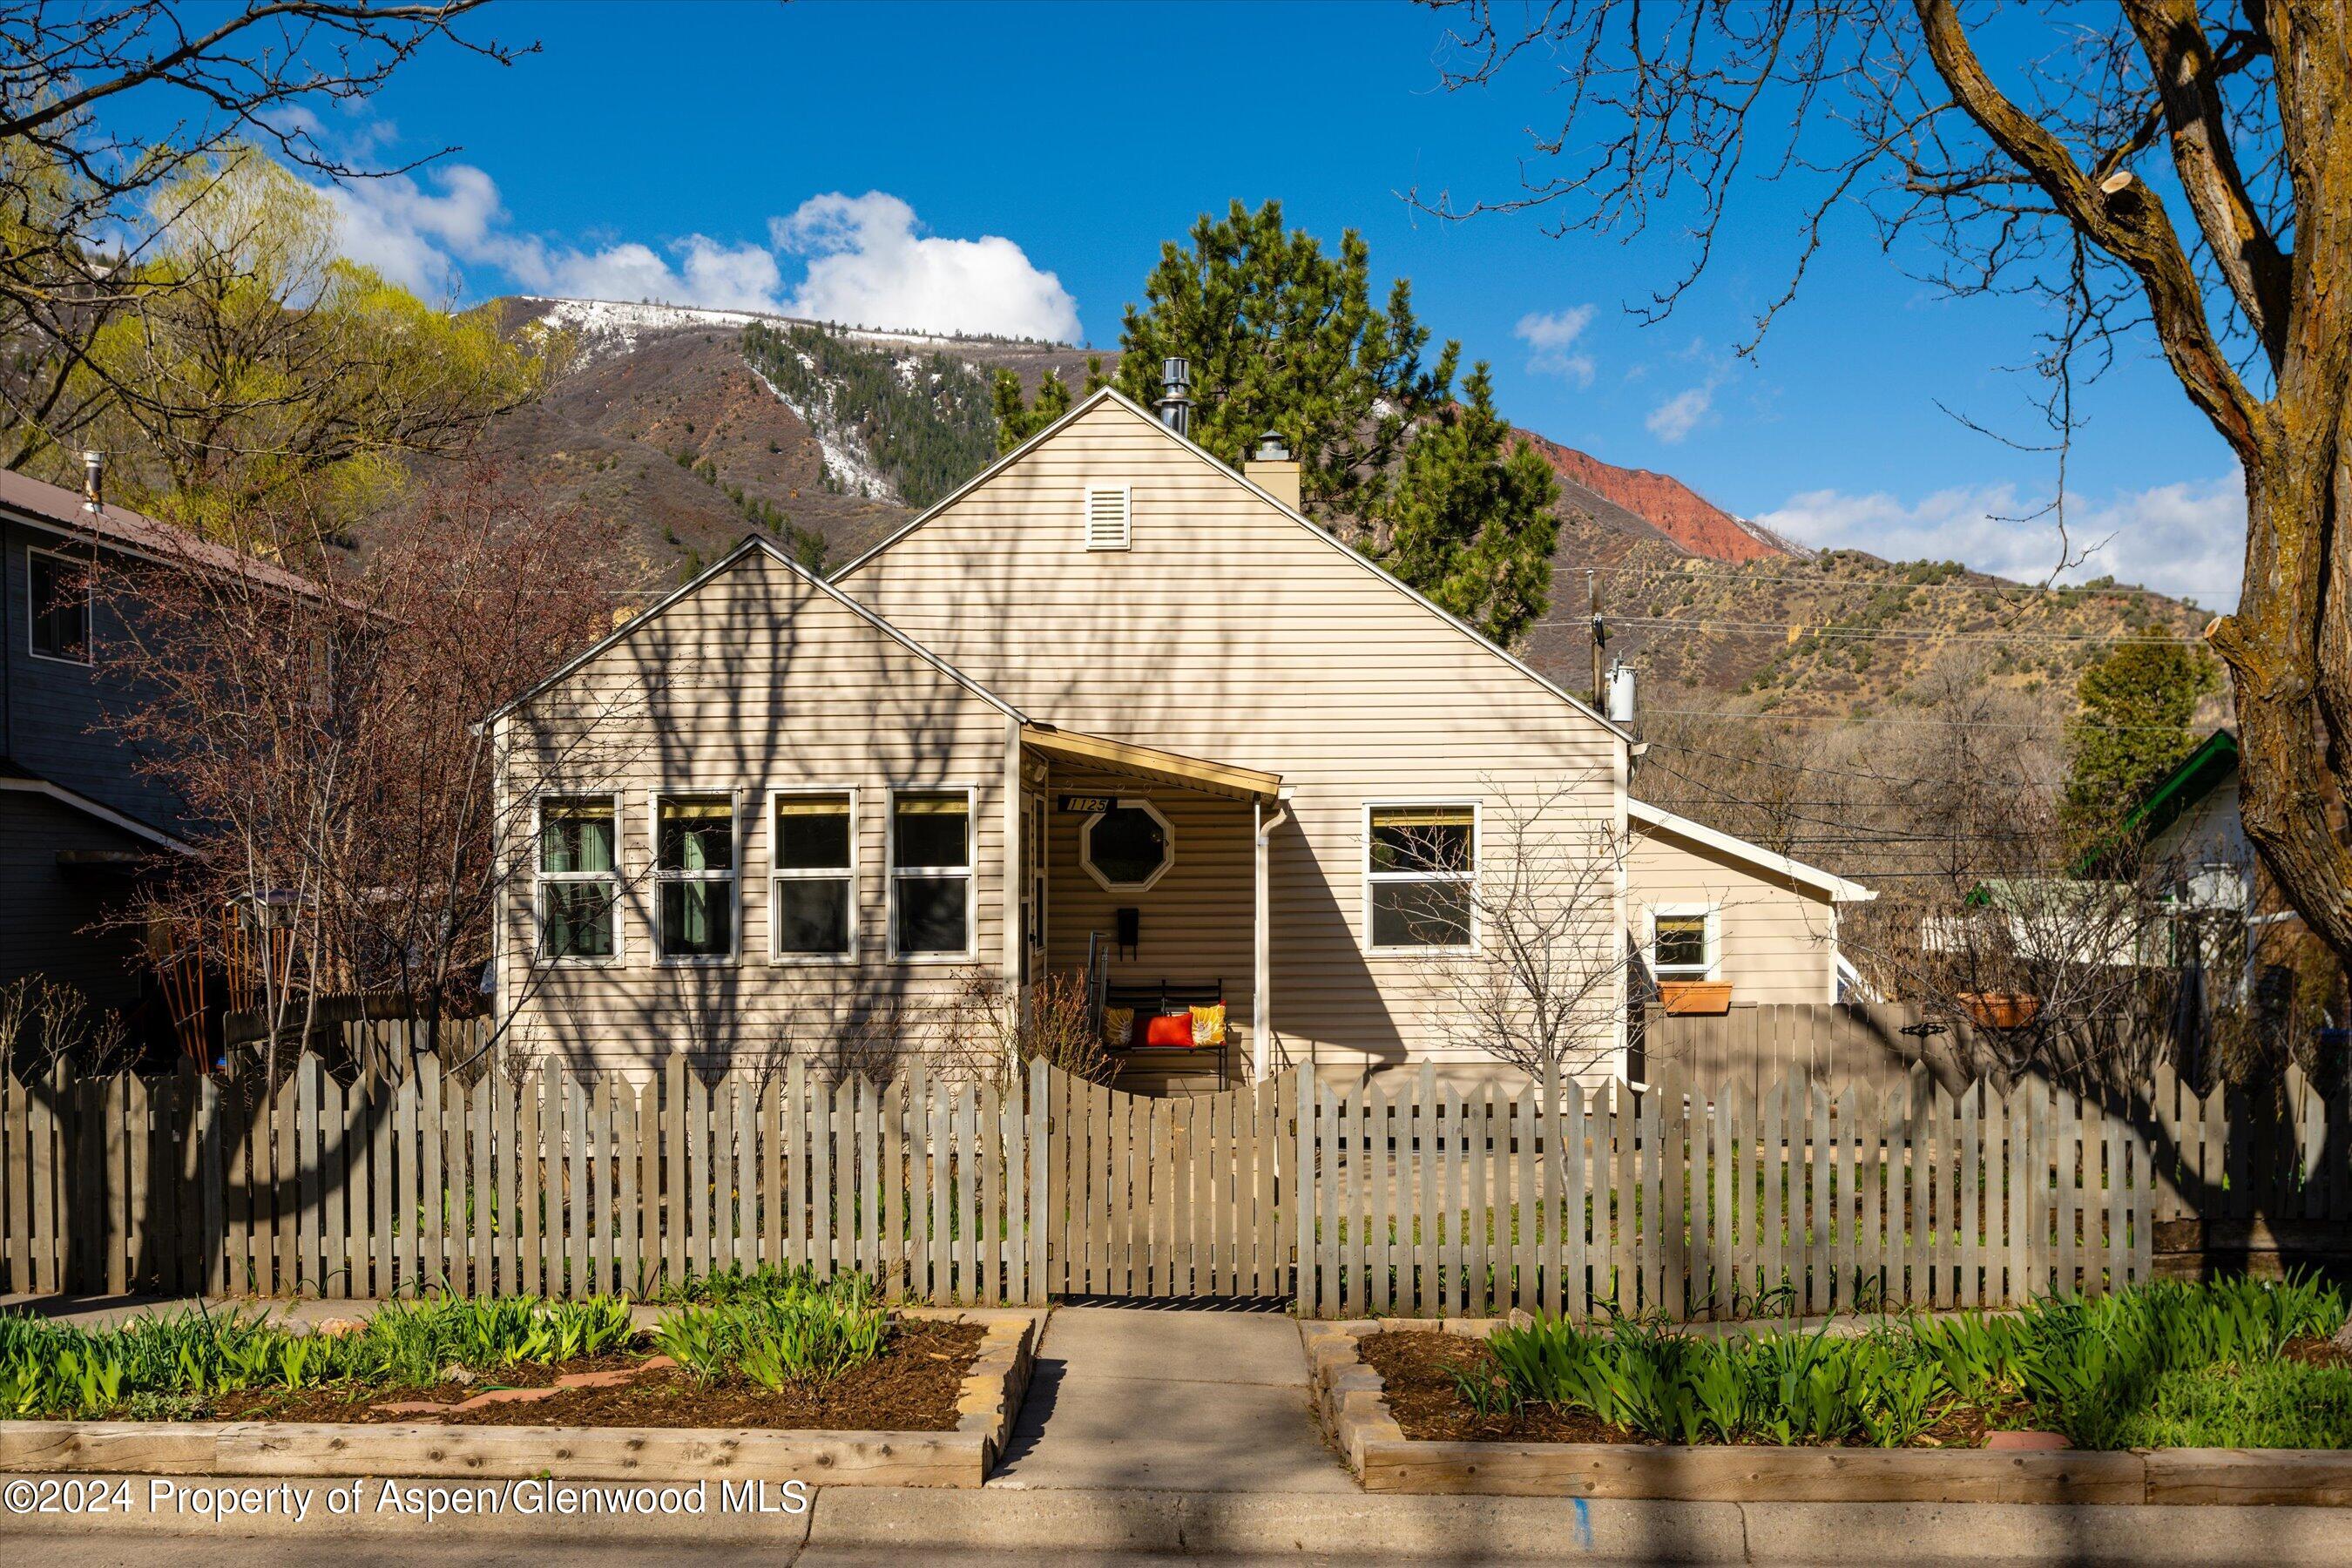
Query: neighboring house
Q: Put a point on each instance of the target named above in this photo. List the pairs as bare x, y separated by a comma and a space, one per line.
78, 817
1111, 697
1710, 907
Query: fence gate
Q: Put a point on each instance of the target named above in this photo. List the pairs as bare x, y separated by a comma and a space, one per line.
1177, 1197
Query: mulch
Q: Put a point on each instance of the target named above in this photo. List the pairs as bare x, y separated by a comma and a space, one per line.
1418, 1367
911, 1387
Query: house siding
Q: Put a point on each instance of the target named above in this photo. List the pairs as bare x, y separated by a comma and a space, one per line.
1775, 941
757, 680
47, 911
1230, 632
55, 721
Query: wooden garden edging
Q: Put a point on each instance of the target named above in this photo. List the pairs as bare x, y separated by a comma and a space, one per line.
986, 1409
1349, 1397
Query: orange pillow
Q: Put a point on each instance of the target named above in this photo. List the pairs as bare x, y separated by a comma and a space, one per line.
1171, 1029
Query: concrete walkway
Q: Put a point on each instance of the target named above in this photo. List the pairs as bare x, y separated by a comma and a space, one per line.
1132, 1397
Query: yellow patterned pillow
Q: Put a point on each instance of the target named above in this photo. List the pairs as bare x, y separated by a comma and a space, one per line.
1209, 1025
1118, 1026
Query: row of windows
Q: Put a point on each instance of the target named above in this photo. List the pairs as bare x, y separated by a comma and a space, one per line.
697, 893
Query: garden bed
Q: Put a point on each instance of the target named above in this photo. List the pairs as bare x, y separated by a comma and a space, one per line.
2205, 1394
780, 1380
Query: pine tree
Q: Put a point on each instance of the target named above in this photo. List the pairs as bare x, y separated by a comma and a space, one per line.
2137, 702
1468, 519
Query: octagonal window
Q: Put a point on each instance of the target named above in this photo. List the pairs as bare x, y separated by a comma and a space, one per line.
1127, 847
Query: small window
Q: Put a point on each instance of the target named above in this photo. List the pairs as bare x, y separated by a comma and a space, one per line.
58, 590
1421, 868
931, 872
1108, 518
813, 909
578, 878
1680, 944
1127, 847
694, 875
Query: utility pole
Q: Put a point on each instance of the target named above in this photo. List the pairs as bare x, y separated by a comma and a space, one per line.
1592, 600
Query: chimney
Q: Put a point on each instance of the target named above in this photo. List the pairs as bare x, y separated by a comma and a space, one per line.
1272, 469
93, 481
1176, 397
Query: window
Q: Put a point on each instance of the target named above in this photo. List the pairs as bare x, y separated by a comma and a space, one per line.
578, 878
694, 876
1109, 517
931, 872
1127, 847
58, 592
1682, 943
1421, 872
815, 858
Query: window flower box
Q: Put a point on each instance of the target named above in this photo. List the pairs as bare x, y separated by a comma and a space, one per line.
1688, 998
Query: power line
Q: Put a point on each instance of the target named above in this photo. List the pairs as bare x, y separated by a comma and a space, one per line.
1999, 585
1943, 723
1870, 634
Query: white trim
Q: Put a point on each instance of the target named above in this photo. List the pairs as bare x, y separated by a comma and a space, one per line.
654, 875
1837, 888
540, 958
89, 807
754, 543
776, 873
1086, 853
88, 660
970, 872
1477, 867
1712, 934
1112, 394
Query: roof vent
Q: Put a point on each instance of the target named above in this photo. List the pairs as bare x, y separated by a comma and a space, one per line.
1176, 395
1272, 469
93, 481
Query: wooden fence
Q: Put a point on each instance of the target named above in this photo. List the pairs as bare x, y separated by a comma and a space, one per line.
1680, 1196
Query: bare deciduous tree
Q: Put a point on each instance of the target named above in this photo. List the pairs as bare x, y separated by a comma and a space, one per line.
2173, 172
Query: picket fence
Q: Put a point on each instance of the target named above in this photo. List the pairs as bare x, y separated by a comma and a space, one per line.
1408, 1196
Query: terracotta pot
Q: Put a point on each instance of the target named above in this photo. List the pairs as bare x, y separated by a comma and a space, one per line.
2000, 1009
1684, 998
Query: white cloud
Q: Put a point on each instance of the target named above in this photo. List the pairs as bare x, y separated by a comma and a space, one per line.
1674, 420
1552, 335
2186, 539
868, 265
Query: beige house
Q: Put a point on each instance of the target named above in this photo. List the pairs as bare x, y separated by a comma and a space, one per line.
1110, 710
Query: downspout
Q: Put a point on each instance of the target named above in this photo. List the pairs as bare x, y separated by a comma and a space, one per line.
1261, 946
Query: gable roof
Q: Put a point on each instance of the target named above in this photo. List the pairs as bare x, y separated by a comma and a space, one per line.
55, 510
1112, 395
753, 543
1836, 889
15, 776
2168, 800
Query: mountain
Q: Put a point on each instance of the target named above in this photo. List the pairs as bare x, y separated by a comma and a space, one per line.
1667, 507
691, 427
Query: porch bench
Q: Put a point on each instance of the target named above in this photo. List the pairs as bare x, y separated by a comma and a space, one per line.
1165, 998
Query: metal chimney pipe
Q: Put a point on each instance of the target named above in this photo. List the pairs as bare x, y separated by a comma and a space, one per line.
1176, 395
93, 481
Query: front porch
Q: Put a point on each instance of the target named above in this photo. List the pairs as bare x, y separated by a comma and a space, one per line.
1145, 872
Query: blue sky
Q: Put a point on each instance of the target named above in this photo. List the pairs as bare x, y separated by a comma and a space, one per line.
1016, 167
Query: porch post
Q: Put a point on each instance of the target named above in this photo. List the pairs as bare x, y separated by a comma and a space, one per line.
1014, 868
1261, 964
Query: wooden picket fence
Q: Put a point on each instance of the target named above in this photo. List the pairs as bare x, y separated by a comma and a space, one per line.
1694, 1200
1406, 1196
555, 1183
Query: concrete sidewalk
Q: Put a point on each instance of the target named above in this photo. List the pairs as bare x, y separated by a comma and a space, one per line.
1128, 1398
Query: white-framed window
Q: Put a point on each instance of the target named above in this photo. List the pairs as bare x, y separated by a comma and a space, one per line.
696, 903
931, 872
58, 597
1420, 875
1686, 941
577, 890
813, 874
1127, 847
1109, 517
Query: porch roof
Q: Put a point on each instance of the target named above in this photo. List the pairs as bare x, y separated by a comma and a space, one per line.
1151, 762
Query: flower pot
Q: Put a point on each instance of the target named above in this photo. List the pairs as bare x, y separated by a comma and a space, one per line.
2000, 1009
1683, 998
